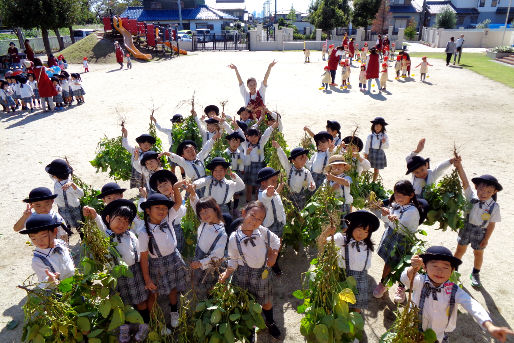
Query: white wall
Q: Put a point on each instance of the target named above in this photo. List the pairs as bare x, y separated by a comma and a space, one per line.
479, 38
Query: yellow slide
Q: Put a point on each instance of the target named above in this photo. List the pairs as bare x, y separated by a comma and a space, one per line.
182, 52
127, 40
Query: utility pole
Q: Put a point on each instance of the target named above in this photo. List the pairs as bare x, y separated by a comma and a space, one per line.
422, 19
180, 13
275, 12
506, 22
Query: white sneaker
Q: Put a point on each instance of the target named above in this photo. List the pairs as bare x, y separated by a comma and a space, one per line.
174, 319
399, 295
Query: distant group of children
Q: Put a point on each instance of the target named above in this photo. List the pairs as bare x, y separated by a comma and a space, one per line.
249, 235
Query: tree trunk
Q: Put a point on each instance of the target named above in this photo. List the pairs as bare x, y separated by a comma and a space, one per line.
21, 38
71, 35
59, 39
46, 42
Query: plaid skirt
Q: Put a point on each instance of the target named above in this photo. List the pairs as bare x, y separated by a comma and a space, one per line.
224, 208
71, 215
250, 175
377, 158
65, 94
132, 289
299, 199
393, 247
79, 92
277, 228
16, 96
179, 233
136, 179
36, 93
362, 295
10, 101
58, 98
169, 272
318, 178
251, 280
27, 100
204, 281
473, 234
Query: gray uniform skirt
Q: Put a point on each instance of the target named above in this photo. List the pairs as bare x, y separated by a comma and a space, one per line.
132, 289
169, 272
361, 277
250, 175
393, 247
251, 280
377, 158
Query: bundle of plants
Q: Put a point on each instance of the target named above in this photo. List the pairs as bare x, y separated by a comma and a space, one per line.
229, 315
90, 197
187, 130
270, 153
292, 234
219, 150
307, 143
363, 186
113, 158
190, 225
325, 296
97, 249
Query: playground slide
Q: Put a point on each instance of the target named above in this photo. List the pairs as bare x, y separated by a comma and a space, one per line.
127, 40
182, 52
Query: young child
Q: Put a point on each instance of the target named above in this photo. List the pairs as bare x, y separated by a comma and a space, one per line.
52, 261
364, 52
145, 143
355, 248
347, 72
384, 77
326, 78
424, 68
6, 97
480, 220
129, 61
245, 115
269, 195
65, 89
217, 186
86, 65
166, 183
362, 78
252, 249
35, 92
354, 145
357, 55
340, 182
76, 88
210, 246
237, 162
405, 66
254, 161
398, 66
307, 54
344, 75
402, 219
164, 270
317, 163
147, 165
333, 128
26, 94
376, 142
58, 99
68, 194
299, 178
176, 119
40, 201
422, 175
437, 297
212, 123
324, 51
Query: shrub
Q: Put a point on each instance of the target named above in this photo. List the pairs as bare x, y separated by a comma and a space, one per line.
503, 49
410, 31
446, 19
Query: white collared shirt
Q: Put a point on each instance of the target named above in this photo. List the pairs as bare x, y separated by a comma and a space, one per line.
361, 165
477, 211
318, 161
188, 165
61, 262
255, 256
25, 91
72, 195
168, 132
433, 175
222, 193
147, 174
75, 85
408, 217
297, 179
237, 159
206, 236
377, 139
343, 191
164, 239
357, 259
435, 312
257, 153
127, 245
129, 148
269, 202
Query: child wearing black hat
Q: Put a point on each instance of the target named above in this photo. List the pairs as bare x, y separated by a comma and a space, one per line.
318, 161
245, 115
212, 123
254, 161
237, 161
52, 261
164, 270
333, 128
355, 249
68, 194
146, 165
217, 186
354, 145
299, 178
480, 220
437, 297
40, 201
145, 143
376, 142
422, 174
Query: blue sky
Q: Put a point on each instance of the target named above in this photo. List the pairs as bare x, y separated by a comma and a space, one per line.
282, 5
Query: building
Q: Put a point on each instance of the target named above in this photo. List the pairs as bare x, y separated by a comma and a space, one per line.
402, 11
194, 14
236, 8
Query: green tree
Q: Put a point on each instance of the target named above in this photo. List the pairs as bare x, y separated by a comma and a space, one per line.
364, 12
101, 7
446, 19
292, 14
410, 30
327, 14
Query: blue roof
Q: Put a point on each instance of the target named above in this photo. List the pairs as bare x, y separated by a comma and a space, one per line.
202, 12
462, 10
402, 9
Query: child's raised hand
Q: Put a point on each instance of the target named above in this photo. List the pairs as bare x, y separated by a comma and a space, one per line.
28, 211
456, 161
67, 185
223, 277
421, 146
275, 125
500, 333
272, 64
392, 217
280, 187
166, 153
191, 188
52, 277
142, 192
416, 262
136, 153
275, 144
232, 66
123, 131
89, 212
384, 210
193, 113
152, 118
270, 191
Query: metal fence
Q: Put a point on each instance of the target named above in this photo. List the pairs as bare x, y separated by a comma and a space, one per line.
36, 44
238, 41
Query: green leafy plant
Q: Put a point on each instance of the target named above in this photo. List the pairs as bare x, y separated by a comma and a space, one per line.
446, 19
90, 197
410, 31
190, 225
219, 150
111, 156
187, 130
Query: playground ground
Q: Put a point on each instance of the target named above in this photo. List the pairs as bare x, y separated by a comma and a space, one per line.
454, 106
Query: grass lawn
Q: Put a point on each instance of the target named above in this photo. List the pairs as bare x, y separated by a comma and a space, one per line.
479, 63
95, 49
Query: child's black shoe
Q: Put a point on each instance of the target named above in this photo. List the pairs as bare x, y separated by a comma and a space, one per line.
273, 330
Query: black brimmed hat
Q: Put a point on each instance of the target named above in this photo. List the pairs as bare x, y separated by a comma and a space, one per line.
110, 188
162, 174
440, 253
235, 135
182, 146
415, 162
177, 118
218, 161
488, 179
114, 205
212, 108
266, 173
39, 222
297, 152
40, 194
211, 121
253, 132
333, 125
355, 141
146, 138
323, 134
379, 120
58, 167
149, 155
242, 109
157, 199
364, 216
242, 125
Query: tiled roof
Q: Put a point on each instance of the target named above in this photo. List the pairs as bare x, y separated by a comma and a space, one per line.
402, 9
202, 12
435, 7
132, 12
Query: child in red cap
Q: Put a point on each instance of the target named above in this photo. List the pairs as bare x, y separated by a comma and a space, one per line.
384, 76
424, 68
86, 66
326, 78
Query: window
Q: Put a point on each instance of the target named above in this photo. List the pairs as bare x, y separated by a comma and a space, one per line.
482, 3
400, 23
494, 3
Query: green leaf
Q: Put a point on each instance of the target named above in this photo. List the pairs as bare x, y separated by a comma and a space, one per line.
118, 318
321, 333
199, 330
357, 320
105, 308
94, 340
200, 307
314, 261
83, 324
229, 335
134, 317
215, 317
38, 339
298, 294
328, 320
341, 325
104, 292
222, 328
256, 308
66, 285
116, 301
234, 316
46, 331
94, 333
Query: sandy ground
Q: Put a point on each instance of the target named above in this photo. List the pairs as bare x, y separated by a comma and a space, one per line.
455, 105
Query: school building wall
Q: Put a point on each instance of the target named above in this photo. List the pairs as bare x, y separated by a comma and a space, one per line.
473, 38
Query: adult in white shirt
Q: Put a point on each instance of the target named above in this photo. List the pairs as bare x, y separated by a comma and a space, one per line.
254, 99
458, 48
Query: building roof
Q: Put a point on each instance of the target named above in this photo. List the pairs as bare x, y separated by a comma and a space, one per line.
202, 12
471, 10
403, 9
435, 7
503, 10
